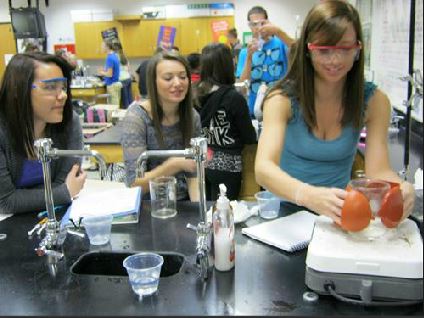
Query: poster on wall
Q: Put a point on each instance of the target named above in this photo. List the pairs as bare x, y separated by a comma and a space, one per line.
219, 31
166, 37
67, 47
110, 34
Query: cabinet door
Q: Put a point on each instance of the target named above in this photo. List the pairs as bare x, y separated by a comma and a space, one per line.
7, 46
153, 28
140, 37
88, 38
134, 40
193, 35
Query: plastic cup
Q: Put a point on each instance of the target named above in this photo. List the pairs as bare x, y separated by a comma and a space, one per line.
269, 204
144, 272
163, 195
98, 228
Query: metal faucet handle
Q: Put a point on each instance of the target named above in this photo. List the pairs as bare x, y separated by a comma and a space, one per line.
42, 251
191, 227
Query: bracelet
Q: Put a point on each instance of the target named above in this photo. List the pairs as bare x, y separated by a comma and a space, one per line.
298, 193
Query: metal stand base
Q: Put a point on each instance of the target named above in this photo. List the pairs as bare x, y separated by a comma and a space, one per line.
365, 287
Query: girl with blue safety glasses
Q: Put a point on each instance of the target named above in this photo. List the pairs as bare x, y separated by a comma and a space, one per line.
35, 103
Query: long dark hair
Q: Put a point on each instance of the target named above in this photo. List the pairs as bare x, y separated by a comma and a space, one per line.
185, 109
325, 24
15, 100
216, 68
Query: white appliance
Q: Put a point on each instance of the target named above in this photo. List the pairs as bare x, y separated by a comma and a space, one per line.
355, 269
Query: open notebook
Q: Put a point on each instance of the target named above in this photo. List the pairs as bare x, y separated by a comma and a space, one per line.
289, 233
103, 197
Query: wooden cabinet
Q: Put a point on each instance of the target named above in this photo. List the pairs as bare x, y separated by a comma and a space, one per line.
88, 38
88, 94
139, 37
194, 35
7, 44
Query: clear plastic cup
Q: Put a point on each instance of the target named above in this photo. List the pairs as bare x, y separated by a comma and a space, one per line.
269, 204
163, 195
98, 228
144, 272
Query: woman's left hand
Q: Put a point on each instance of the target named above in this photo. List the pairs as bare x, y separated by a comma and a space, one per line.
408, 194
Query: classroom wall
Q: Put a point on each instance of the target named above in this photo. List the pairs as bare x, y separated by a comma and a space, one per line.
60, 26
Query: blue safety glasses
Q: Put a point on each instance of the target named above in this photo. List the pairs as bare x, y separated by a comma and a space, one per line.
52, 86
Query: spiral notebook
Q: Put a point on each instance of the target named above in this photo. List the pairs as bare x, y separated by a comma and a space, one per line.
290, 233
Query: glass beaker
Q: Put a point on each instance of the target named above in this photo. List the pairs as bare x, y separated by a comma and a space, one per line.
163, 195
374, 191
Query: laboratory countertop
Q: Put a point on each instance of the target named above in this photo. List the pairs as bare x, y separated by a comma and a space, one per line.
265, 280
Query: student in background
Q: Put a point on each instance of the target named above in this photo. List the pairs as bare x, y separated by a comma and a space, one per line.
69, 57
225, 121
264, 60
31, 48
313, 117
110, 72
235, 44
166, 120
34, 104
124, 76
142, 74
194, 62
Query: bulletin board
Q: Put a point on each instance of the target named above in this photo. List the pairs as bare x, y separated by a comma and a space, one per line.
386, 25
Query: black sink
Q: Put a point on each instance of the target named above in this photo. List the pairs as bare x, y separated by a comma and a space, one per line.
110, 264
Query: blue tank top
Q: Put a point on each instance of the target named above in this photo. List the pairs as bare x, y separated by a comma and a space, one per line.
320, 162
32, 174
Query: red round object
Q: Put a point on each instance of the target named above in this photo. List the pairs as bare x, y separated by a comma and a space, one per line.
356, 211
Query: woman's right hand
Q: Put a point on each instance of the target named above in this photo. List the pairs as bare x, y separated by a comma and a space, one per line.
324, 201
181, 164
252, 46
75, 180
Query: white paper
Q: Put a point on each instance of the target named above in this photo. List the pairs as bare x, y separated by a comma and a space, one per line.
289, 233
118, 201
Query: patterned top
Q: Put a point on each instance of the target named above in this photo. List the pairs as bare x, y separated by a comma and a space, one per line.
139, 135
320, 162
227, 125
268, 65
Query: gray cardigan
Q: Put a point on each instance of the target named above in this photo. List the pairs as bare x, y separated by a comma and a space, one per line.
13, 200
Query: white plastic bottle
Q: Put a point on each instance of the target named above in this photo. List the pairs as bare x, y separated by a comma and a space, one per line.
223, 232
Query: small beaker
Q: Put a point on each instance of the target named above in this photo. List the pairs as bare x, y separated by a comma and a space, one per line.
269, 204
374, 191
163, 196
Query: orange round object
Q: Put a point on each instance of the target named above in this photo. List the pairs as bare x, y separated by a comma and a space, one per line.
391, 210
356, 211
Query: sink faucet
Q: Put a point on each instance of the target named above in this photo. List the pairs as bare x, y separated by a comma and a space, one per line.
45, 153
197, 152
